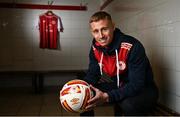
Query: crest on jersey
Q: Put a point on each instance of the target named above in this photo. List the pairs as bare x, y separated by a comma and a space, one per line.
53, 22
122, 65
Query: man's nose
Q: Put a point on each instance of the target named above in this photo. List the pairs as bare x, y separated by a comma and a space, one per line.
101, 34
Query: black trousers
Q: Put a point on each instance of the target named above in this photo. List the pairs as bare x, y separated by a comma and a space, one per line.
141, 104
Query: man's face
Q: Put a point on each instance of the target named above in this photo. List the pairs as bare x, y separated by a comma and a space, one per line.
102, 31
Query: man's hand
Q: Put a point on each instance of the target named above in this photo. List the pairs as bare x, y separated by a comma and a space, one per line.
98, 99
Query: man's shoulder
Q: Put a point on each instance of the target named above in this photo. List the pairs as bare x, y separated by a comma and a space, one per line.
131, 40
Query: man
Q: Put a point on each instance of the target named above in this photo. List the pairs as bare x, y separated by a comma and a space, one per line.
119, 71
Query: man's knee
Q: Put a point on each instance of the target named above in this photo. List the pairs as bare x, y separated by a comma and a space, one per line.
126, 107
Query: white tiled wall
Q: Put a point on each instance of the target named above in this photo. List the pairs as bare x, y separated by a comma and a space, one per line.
156, 23
19, 45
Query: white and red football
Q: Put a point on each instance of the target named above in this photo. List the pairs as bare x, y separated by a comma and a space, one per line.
74, 95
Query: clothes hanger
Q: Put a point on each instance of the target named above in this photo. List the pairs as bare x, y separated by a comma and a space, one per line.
49, 12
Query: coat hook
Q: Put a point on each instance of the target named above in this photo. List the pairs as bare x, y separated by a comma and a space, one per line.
50, 2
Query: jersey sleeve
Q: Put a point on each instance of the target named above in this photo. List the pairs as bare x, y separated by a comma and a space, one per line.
60, 25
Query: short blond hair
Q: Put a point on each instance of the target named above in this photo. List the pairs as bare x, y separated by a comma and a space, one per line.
99, 16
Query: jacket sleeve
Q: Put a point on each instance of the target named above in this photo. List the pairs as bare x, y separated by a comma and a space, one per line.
93, 73
136, 74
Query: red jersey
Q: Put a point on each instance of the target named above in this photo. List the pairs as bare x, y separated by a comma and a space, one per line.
48, 27
109, 63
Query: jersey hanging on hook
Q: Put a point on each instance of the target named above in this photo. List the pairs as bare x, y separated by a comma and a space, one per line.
49, 26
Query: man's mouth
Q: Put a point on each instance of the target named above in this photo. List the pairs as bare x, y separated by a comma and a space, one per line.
102, 40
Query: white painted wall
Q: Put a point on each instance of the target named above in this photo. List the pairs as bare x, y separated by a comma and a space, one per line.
19, 42
19, 35
156, 23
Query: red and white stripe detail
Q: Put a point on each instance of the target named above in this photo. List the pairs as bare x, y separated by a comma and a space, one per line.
126, 45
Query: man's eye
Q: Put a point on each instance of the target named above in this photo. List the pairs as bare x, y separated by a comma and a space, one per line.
95, 32
105, 29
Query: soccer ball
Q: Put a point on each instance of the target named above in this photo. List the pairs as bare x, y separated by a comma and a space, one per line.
74, 95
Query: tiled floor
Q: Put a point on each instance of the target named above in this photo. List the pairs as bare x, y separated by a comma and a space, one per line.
23, 102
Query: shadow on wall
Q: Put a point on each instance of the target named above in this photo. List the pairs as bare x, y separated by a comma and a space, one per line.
126, 8
16, 39
161, 77
152, 39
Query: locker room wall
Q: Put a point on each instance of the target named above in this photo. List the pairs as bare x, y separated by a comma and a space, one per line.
156, 23
19, 42
19, 46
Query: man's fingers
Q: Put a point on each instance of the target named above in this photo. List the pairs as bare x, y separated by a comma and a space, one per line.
93, 88
92, 100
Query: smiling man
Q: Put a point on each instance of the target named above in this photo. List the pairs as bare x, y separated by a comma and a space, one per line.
102, 31
119, 71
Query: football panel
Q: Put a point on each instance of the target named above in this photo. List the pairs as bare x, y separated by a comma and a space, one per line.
67, 107
74, 101
77, 82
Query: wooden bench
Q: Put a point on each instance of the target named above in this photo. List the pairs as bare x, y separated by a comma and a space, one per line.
38, 76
